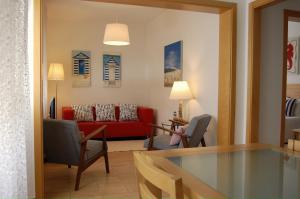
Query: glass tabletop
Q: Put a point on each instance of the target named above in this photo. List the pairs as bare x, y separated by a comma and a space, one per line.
250, 174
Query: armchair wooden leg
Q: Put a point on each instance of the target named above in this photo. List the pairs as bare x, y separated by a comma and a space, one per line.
203, 142
78, 176
106, 163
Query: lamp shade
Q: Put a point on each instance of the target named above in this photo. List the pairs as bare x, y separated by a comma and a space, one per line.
180, 91
56, 72
116, 34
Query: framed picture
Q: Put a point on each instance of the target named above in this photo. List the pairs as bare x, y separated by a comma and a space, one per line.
293, 55
112, 70
172, 63
81, 61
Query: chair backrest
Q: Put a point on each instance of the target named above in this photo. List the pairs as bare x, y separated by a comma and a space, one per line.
196, 129
62, 141
152, 180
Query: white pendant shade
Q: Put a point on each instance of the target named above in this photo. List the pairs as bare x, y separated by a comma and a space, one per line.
56, 72
180, 91
116, 34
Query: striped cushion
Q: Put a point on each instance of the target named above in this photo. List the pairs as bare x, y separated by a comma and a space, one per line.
289, 106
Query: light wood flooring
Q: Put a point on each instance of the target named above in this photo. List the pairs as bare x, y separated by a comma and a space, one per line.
95, 183
126, 145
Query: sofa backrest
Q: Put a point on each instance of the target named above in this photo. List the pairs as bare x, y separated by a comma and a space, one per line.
196, 129
145, 114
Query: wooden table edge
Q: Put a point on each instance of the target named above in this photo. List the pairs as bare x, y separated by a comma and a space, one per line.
194, 187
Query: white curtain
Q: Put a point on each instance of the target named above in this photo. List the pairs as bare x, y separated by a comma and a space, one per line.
15, 109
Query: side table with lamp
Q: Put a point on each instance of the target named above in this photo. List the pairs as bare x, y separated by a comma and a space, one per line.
180, 91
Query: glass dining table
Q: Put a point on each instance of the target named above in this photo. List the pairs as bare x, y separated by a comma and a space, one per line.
253, 171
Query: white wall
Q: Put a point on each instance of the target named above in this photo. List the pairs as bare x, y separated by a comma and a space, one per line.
63, 36
271, 71
241, 71
200, 35
294, 32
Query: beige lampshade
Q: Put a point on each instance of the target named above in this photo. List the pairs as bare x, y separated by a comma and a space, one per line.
116, 34
180, 91
56, 72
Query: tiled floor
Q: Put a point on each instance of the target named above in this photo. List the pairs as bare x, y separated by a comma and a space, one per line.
95, 183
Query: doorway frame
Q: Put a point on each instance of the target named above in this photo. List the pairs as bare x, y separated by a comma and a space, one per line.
254, 53
227, 68
289, 15
37, 98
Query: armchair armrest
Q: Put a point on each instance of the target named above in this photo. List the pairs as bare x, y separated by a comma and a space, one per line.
184, 138
82, 134
178, 122
162, 128
151, 138
94, 133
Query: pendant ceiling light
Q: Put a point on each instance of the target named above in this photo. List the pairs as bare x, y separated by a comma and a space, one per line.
116, 34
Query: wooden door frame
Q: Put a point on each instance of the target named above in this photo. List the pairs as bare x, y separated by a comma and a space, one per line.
254, 50
227, 68
38, 100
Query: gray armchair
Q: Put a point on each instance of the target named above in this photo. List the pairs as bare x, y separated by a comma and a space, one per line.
193, 137
64, 144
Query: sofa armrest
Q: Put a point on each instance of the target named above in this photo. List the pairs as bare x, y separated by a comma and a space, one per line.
146, 115
67, 113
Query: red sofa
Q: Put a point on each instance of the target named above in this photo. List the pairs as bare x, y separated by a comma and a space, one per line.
116, 129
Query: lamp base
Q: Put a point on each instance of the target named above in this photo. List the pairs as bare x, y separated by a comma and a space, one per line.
180, 109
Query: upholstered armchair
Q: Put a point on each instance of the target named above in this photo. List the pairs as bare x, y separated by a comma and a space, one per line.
193, 136
65, 144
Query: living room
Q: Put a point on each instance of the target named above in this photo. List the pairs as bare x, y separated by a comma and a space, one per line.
142, 62
141, 66
237, 62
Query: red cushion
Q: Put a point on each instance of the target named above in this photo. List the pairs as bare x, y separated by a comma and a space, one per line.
114, 129
123, 129
67, 113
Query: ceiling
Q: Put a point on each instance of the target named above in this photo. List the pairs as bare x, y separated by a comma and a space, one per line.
78, 9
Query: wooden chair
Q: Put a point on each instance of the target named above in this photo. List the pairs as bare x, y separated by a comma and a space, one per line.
64, 144
193, 137
152, 181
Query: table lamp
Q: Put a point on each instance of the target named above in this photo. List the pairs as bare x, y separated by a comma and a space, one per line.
56, 73
180, 91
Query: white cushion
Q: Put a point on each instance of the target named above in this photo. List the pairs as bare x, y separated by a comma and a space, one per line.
105, 112
128, 112
83, 112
